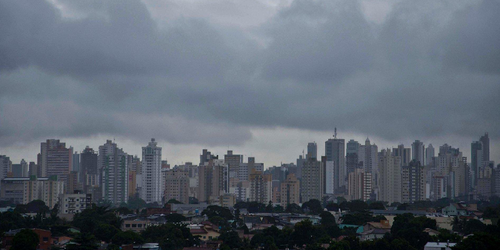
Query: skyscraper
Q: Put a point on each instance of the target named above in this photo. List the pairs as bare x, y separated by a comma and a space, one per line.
114, 173
56, 159
476, 154
213, 180
5, 166
390, 176
151, 173
360, 185
413, 182
429, 154
233, 161
290, 191
485, 141
404, 153
352, 157
335, 151
76, 162
311, 184
88, 168
369, 155
312, 150
418, 152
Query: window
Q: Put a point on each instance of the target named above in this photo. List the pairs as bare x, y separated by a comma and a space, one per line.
127, 225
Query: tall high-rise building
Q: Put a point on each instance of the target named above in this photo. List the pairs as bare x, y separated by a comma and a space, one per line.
56, 159
335, 151
485, 141
290, 191
413, 182
76, 162
429, 154
32, 169
88, 168
352, 157
390, 176
312, 180
418, 152
176, 185
213, 180
114, 173
233, 161
5, 166
151, 173
20, 170
260, 187
360, 185
368, 153
312, 150
476, 160
404, 153
206, 156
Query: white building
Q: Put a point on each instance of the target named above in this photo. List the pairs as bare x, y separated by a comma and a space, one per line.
74, 203
151, 190
329, 177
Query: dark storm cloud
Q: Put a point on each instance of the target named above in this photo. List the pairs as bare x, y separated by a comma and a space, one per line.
430, 69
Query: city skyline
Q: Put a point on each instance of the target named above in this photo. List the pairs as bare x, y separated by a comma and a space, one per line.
191, 154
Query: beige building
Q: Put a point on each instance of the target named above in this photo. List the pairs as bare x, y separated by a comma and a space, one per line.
312, 180
290, 191
390, 176
213, 180
23, 190
359, 185
260, 187
176, 185
225, 200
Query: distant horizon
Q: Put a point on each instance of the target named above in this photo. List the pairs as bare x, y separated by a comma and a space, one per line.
133, 148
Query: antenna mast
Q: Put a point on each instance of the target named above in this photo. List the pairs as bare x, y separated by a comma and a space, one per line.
335, 134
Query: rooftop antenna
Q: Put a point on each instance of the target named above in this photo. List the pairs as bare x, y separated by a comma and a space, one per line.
335, 133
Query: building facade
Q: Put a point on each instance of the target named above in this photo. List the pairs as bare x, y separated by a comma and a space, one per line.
151, 190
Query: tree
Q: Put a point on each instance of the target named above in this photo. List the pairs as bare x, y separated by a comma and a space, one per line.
83, 241
105, 231
26, 239
169, 236
473, 225
293, 208
175, 218
193, 200
173, 201
231, 239
332, 206
410, 228
212, 211
312, 206
329, 223
378, 205
136, 203
357, 218
270, 207
127, 237
36, 206
479, 240
91, 219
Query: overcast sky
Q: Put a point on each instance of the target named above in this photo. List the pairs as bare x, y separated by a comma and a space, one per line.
260, 77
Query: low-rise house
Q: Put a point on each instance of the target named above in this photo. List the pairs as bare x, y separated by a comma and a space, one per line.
459, 209
206, 231
375, 230
439, 246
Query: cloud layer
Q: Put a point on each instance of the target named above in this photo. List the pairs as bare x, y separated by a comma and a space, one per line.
80, 69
